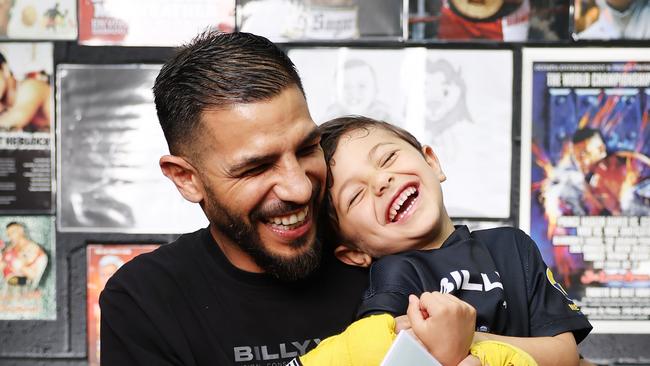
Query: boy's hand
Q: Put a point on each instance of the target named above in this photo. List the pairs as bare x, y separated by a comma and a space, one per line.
470, 360
444, 324
402, 323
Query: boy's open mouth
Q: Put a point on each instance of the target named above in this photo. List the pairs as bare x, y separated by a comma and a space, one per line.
402, 203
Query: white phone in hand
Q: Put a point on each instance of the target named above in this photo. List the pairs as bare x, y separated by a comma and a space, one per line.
406, 350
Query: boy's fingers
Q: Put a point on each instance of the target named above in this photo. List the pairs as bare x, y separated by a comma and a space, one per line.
413, 311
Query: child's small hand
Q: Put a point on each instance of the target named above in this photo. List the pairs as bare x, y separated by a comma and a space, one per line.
470, 361
444, 324
402, 323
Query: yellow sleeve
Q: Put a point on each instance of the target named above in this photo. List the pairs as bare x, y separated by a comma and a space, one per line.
495, 353
363, 343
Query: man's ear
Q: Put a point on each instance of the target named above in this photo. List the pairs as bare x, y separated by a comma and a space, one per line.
352, 257
184, 176
432, 159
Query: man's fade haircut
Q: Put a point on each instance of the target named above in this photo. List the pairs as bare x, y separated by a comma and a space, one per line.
331, 133
215, 71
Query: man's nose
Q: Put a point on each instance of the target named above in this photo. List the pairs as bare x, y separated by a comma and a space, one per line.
293, 183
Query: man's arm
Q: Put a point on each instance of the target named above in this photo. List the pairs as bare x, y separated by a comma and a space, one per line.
30, 96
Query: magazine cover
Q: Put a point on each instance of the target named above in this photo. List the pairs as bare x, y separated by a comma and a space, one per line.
493, 20
38, 19
585, 180
444, 97
611, 19
26, 133
302, 20
27, 268
102, 261
151, 22
110, 143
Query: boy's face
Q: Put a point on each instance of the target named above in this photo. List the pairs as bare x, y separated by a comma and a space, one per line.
386, 194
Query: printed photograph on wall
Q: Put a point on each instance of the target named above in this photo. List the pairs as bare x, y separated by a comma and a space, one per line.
151, 22
585, 180
27, 268
38, 19
493, 20
304, 20
611, 19
443, 97
26, 128
110, 143
102, 261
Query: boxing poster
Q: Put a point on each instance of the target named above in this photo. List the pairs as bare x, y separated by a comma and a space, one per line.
110, 143
38, 19
102, 261
585, 179
26, 133
444, 97
611, 19
27, 268
304, 20
493, 20
151, 22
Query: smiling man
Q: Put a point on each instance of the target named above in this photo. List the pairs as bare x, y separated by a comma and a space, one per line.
256, 286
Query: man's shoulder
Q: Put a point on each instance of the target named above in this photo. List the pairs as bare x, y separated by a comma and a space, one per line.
159, 267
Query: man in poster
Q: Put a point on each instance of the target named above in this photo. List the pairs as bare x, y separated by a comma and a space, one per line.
23, 261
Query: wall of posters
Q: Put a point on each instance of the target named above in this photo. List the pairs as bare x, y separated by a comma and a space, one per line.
585, 184
26, 133
27, 268
151, 22
300, 20
495, 20
110, 142
443, 97
102, 261
611, 19
38, 19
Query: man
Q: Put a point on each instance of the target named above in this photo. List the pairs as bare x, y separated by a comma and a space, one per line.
22, 262
256, 287
620, 19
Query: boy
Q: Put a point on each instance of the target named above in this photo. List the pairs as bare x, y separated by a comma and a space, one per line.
384, 197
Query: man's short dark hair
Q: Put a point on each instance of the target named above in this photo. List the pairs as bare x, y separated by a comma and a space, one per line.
215, 71
331, 132
15, 223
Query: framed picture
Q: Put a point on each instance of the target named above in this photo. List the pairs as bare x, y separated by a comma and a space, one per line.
585, 177
38, 19
110, 142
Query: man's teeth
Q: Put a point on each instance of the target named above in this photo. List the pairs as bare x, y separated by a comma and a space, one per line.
399, 201
290, 219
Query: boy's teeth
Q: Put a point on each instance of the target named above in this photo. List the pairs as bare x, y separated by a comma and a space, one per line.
290, 219
399, 201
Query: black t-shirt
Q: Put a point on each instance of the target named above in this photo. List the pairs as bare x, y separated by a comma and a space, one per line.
186, 304
498, 271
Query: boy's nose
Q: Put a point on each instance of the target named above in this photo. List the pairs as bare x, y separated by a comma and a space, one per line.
381, 183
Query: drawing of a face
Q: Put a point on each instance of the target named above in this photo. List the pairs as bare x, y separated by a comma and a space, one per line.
442, 96
445, 96
356, 87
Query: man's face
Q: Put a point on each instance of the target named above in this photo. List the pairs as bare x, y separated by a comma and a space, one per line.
357, 89
441, 95
589, 152
263, 173
386, 194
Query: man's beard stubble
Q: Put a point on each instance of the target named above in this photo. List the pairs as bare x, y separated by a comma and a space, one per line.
243, 233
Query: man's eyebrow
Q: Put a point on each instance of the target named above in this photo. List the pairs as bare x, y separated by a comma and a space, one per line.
254, 160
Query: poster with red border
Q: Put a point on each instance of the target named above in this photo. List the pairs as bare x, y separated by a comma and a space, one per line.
102, 262
151, 22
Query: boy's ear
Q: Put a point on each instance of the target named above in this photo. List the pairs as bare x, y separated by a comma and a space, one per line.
184, 177
352, 257
432, 159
